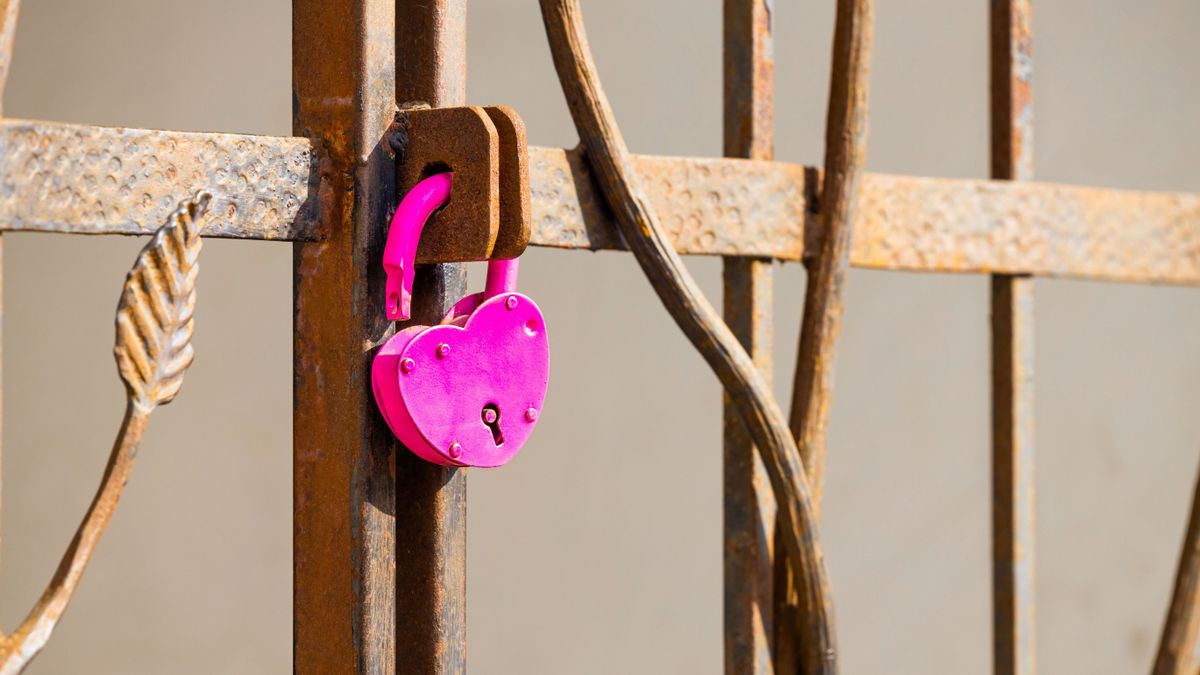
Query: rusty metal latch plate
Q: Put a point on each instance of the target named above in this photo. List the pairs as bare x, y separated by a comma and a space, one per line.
485, 147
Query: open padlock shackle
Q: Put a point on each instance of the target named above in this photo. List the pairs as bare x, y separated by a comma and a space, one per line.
400, 252
468, 390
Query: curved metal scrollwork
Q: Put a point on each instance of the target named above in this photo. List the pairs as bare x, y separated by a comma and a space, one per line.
153, 351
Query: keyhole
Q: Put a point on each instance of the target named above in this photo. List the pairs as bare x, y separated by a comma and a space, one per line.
491, 419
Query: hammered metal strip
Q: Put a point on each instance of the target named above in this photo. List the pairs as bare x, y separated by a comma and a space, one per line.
98, 180
755, 208
710, 206
93, 180
945, 225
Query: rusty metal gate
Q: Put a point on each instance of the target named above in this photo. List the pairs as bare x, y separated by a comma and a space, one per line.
371, 596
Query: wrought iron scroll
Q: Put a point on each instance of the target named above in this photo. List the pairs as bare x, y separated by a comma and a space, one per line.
153, 351
639, 223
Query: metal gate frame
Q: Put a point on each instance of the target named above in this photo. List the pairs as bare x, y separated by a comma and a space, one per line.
371, 596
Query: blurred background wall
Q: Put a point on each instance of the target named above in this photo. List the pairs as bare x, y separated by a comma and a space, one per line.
599, 549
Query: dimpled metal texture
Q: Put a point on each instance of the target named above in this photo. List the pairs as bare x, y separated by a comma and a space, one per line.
759, 209
93, 180
82, 179
951, 225
709, 206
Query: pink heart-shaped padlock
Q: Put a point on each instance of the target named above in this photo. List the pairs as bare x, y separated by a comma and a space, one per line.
469, 391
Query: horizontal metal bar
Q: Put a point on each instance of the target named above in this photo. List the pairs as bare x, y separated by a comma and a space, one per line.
718, 206
736, 207
100, 180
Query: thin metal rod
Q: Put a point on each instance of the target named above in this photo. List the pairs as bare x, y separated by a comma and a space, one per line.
749, 505
27, 641
431, 500
9, 11
1179, 646
1012, 299
845, 154
344, 608
812, 384
1, 344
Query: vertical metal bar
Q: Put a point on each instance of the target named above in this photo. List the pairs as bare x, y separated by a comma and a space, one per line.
749, 505
343, 73
1012, 356
431, 506
1, 346
9, 9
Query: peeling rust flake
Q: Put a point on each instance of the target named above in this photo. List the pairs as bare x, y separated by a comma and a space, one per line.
100, 180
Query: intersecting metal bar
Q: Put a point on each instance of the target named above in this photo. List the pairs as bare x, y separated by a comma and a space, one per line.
344, 609
1012, 298
749, 504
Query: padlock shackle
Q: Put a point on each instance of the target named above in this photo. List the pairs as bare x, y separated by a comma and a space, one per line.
400, 252
501, 277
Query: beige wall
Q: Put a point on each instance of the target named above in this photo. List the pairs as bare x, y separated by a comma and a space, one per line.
598, 550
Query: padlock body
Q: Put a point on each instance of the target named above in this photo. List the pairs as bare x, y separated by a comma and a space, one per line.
469, 391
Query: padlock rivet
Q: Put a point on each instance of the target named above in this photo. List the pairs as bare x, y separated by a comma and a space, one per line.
407, 365
443, 350
511, 302
455, 450
531, 414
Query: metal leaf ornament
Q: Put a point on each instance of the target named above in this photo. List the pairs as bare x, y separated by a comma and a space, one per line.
153, 351
154, 318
